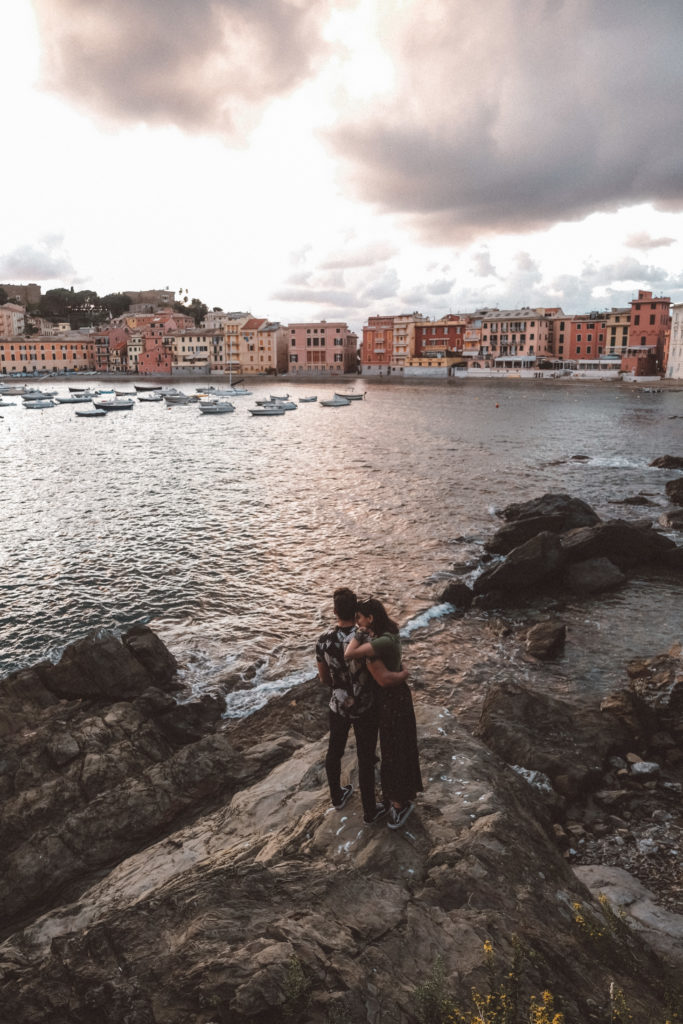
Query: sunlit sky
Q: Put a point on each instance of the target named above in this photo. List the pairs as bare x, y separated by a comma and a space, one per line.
309, 159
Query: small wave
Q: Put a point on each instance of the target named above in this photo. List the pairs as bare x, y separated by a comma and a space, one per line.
437, 611
242, 703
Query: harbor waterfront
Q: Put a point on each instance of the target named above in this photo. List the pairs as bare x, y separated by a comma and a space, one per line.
227, 534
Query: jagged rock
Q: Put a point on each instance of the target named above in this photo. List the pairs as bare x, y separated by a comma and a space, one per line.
672, 520
525, 566
645, 770
658, 681
542, 733
99, 666
151, 652
576, 512
517, 532
202, 885
624, 544
674, 490
593, 576
668, 462
458, 594
546, 640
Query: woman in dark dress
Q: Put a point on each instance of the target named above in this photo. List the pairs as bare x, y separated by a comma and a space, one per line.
378, 641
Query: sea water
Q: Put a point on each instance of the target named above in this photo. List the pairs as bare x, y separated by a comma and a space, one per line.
227, 535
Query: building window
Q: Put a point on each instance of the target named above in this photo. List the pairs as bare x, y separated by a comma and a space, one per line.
636, 320
652, 318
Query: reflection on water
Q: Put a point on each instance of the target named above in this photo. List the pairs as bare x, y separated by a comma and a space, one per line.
228, 534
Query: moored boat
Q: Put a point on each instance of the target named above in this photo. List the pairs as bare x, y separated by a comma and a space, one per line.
268, 410
39, 403
311, 398
216, 407
114, 404
351, 396
335, 402
147, 387
90, 412
152, 396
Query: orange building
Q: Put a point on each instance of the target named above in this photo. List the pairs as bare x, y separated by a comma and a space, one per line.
649, 333
68, 352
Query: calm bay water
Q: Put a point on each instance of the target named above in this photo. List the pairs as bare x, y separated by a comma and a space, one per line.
227, 534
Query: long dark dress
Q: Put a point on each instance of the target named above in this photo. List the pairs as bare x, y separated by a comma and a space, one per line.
400, 767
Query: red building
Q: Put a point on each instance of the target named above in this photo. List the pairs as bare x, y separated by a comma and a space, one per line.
648, 335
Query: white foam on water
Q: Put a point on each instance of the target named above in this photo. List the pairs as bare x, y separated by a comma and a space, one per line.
437, 611
242, 703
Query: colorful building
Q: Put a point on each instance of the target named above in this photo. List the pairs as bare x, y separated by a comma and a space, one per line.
11, 320
517, 338
75, 351
324, 346
648, 335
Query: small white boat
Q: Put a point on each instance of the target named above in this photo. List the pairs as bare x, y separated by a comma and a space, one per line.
216, 407
39, 403
153, 396
275, 409
227, 392
73, 399
179, 399
36, 395
351, 396
114, 404
117, 392
311, 398
336, 402
279, 398
90, 412
4, 404
147, 387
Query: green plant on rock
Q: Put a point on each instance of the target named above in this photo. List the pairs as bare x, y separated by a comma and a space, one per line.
434, 1005
297, 989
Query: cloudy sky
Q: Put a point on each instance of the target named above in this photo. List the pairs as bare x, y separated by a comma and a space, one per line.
310, 159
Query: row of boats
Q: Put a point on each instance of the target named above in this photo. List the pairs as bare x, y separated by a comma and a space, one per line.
210, 400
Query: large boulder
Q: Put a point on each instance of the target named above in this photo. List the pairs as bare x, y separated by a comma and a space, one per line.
627, 545
668, 462
574, 511
593, 576
533, 730
518, 531
525, 566
458, 594
674, 490
152, 653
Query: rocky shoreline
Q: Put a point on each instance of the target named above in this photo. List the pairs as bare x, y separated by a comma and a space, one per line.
162, 864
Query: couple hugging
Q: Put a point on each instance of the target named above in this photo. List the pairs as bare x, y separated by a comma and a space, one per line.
360, 660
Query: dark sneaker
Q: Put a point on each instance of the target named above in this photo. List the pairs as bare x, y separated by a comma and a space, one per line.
380, 809
399, 815
346, 793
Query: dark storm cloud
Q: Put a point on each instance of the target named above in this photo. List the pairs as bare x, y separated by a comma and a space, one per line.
203, 65
515, 114
44, 261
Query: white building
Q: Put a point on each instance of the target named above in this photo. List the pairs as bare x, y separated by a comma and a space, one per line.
11, 320
674, 363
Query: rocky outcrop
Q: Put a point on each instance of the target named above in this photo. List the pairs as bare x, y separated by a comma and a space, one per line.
216, 883
668, 462
458, 594
594, 576
573, 511
546, 550
674, 490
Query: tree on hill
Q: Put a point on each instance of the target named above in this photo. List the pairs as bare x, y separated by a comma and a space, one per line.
4, 297
116, 303
196, 308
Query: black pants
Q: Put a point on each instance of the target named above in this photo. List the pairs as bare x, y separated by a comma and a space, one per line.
365, 730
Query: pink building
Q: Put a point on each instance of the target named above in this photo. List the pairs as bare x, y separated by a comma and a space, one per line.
323, 347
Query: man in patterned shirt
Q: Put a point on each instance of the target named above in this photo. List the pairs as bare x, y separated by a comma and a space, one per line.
352, 703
